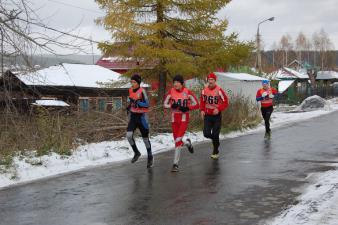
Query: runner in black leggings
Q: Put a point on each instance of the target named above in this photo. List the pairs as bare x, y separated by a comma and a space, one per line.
138, 106
265, 95
213, 101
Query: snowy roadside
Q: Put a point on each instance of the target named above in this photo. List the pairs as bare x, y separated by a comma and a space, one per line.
317, 205
96, 154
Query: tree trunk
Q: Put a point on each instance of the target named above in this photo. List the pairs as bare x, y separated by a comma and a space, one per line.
162, 79
314, 58
312, 76
162, 74
283, 60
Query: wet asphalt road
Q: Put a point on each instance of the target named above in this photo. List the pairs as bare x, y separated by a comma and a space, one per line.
253, 180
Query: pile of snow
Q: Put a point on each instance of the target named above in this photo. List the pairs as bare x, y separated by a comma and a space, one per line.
313, 103
29, 168
317, 205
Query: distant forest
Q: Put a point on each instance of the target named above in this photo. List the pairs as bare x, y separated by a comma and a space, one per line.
316, 50
275, 59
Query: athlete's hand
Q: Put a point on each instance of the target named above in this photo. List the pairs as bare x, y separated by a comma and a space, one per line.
136, 102
174, 105
131, 100
216, 111
183, 109
271, 96
202, 114
128, 108
264, 94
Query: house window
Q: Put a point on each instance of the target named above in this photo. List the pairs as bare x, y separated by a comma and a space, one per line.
117, 103
84, 104
102, 104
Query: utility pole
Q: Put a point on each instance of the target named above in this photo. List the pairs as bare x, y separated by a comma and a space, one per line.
258, 43
91, 42
2, 52
259, 57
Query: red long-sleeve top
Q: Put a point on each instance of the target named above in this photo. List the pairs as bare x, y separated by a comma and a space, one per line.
213, 98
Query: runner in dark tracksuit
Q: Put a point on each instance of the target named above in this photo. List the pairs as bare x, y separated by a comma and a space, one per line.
138, 106
266, 95
213, 101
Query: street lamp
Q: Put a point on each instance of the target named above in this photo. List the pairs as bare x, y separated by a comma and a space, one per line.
258, 40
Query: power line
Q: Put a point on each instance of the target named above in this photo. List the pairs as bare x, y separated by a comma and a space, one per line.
58, 31
75, 6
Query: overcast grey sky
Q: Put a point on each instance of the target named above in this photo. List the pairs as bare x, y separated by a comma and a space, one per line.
292, 16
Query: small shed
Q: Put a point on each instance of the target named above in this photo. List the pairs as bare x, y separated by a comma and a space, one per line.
327, 83
240, 84
235, 84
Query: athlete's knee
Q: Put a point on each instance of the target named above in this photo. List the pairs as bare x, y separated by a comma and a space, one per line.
146, 142
130, 137
179, 142
207, 134
145, 134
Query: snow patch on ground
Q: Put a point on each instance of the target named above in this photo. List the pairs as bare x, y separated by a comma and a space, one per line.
317, 205
29, 168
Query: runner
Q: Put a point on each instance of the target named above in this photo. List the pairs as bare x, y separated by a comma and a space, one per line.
266, 95
181, 100
213, 101
138, 106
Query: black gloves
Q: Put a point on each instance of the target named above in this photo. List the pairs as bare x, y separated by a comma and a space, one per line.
136, 103
128, 108
183, 109
131, 100
174, 105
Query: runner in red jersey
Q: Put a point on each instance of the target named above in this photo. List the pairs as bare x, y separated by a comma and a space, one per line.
213, 101
266, 95
181, 100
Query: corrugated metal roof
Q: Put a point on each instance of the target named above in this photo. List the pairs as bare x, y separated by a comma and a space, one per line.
288, 73
296, 73
327, 75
